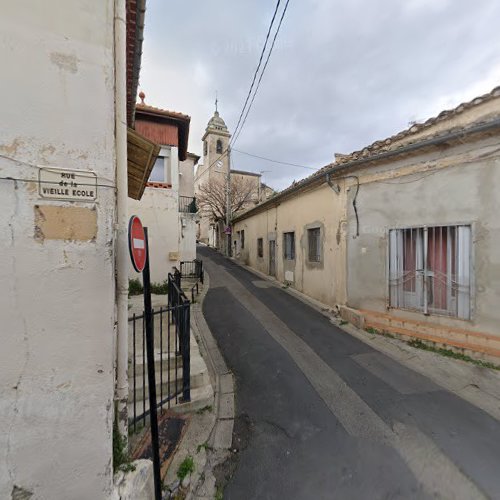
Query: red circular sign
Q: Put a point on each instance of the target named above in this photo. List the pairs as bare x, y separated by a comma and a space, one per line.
137, 243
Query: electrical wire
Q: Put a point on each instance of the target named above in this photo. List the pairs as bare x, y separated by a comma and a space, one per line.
273, 161
236, 135
258, 66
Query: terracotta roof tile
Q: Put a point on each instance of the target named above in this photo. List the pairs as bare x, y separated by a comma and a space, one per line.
386, 144
383, 145
164, 112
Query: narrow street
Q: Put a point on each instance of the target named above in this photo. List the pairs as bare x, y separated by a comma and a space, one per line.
321, 415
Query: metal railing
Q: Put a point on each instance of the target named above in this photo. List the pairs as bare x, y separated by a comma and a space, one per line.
192, 269
187, 204
171, 326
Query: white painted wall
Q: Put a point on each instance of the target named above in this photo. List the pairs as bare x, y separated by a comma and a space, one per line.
57, 300
158, 211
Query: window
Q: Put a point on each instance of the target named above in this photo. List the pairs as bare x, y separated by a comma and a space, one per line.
289, 246
260, 247
430, 269
313, 239
242, 239
158, 171
218, 148
205, 148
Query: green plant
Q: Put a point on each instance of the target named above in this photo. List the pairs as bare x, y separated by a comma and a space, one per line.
203, 446
370, 329
418, 344
159, 288
135, 287
204, 409
186, 467
343, 322
218, 494
121, 458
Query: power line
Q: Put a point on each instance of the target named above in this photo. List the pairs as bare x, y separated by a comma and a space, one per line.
273, 161
236, 135
258, 66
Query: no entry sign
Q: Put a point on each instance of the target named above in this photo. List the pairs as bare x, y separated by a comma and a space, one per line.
137, 243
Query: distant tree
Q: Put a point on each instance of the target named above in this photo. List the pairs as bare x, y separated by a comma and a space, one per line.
211, 197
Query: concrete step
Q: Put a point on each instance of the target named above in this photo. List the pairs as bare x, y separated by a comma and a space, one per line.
199, 378
201, 397
435, 330
461, 343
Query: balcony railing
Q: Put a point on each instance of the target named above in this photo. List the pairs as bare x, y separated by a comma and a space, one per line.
187, 205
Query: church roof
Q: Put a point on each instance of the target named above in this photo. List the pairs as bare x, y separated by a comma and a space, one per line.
217, 123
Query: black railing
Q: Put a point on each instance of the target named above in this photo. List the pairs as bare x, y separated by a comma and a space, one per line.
187, 204
171, 326
192, 269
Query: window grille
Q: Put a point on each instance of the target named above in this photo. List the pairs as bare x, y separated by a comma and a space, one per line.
430, 269
289, 246
260, 247
313, 238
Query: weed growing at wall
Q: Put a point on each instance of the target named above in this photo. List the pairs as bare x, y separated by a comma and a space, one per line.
451, 354
186, 467
159, 288
121, 458
135, 287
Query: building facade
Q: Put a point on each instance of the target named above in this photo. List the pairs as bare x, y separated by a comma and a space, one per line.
67, 163
167, 207
400, 236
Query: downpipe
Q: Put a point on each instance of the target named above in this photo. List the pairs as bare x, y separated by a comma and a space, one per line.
121, 245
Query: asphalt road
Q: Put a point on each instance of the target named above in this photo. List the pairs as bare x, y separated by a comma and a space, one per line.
322, 415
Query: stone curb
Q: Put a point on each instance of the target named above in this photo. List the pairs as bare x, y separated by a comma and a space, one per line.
479, 386
221, 435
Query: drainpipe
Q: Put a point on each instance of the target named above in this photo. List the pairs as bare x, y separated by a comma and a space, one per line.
121, 245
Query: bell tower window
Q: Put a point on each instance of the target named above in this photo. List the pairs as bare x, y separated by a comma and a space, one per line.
205, 148
218, 148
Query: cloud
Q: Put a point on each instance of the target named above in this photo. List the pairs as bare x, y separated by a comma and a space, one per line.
343, 73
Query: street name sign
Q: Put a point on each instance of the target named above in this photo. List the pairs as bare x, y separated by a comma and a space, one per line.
70, 185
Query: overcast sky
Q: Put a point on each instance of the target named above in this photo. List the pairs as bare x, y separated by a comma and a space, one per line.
343, 73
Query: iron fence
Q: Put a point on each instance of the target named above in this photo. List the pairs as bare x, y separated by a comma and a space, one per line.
171, 326
187, 204
192, 269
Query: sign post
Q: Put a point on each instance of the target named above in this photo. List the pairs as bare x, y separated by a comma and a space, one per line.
139, 253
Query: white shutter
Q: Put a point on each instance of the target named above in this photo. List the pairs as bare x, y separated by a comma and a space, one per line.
463, 271
395, 266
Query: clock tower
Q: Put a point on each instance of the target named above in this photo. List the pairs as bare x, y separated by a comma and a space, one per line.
215, 144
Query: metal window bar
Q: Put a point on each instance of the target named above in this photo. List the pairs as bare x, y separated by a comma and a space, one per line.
313, 236
187, 204
289, 246
428, 272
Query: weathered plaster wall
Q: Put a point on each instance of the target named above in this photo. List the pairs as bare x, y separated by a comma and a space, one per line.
321, 208
461, 189
57, 300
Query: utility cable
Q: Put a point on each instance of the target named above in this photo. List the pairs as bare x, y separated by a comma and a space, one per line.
273, 161
258, 66
236, 135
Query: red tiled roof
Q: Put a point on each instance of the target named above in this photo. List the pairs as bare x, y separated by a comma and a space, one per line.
381, 146
146, 108
385, 144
